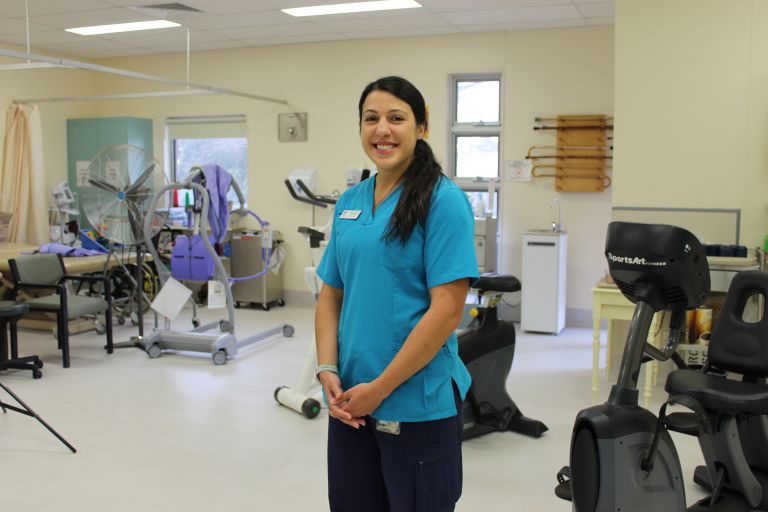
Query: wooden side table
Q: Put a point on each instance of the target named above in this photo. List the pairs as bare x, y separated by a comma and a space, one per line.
609, 303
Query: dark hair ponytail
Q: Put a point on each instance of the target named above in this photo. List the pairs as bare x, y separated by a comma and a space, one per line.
424, 172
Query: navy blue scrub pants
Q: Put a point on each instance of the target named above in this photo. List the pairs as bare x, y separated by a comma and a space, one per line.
418, 470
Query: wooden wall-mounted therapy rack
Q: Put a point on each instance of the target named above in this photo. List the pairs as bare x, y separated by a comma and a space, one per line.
582, 155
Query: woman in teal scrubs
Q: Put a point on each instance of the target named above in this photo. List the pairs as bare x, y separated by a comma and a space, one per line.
396, 274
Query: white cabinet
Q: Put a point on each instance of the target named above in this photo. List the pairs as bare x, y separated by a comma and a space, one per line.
544, 277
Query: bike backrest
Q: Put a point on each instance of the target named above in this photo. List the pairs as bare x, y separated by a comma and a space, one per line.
737, 345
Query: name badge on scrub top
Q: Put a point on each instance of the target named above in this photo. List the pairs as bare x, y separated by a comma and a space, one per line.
350, 214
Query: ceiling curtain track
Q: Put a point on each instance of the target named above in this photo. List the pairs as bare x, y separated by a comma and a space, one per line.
190, 87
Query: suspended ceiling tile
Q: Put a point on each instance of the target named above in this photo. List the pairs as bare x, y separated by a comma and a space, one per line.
441, 6
241, 20
228, 7
89, 49
90, 18
288, 4
196, 48
525, 25
167, 33
180, 40
562, 12
596, 10
294, 39
218, 45
265, 31
43, 37
394, 22
403, 32
201, 36
96, 53
252, 19
9, 26
16, 8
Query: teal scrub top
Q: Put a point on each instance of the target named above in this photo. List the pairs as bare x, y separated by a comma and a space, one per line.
386, 292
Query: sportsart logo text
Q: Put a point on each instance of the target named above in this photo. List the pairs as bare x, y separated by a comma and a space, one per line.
629, 260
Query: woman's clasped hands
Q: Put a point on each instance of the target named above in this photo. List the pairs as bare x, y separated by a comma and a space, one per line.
352, 405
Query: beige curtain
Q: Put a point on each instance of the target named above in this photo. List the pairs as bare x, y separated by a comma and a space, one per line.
23, 188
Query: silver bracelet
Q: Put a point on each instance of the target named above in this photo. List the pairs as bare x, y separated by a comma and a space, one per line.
326, 368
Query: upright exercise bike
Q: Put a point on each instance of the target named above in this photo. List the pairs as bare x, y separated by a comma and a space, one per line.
622, 456
487, 348
305, 395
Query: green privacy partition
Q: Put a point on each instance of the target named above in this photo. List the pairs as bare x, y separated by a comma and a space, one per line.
86, 137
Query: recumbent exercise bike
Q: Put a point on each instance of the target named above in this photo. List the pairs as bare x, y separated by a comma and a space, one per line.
622, 456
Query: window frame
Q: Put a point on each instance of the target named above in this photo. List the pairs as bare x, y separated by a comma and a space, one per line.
482, 129
198, 122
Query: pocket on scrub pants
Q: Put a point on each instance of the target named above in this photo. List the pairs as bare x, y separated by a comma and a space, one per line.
438, 482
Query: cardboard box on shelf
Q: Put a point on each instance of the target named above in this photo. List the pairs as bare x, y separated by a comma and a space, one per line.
694, 354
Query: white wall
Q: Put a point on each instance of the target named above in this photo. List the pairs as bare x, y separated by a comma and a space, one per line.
549, 73
545, 72
691, 123
325, 81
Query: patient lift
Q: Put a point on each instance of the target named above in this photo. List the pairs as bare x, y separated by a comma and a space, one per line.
217, 338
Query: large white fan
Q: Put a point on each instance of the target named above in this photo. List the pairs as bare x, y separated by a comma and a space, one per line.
116, 196
117, 193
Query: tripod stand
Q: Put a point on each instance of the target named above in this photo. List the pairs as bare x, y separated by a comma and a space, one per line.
27, 411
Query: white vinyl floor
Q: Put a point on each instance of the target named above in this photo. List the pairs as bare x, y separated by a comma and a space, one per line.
180, 434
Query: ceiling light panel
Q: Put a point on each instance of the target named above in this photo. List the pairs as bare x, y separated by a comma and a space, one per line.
122, 27
323, 10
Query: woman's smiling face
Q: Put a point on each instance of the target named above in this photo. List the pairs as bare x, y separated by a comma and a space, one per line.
389, 132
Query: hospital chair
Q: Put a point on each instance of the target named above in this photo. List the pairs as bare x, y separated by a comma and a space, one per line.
46, 272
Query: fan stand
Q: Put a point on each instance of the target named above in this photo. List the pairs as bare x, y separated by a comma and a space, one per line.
137, 341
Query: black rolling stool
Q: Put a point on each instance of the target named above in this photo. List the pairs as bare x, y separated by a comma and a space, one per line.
10, 312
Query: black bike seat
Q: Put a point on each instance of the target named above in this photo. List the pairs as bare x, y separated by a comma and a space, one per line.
493, 282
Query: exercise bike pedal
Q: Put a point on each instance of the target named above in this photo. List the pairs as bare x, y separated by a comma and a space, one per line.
701, 477
563, 489
488, 415
683, 422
